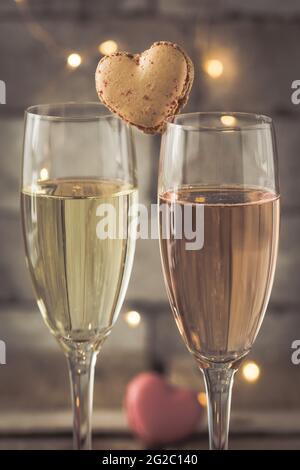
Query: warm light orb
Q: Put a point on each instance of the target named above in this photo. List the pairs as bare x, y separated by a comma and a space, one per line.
108, 47
214, 68
44, 175
133, 318
74, 60
251, 372
227, 120
202, 399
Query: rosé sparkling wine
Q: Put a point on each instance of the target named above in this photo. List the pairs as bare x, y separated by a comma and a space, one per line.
219, 293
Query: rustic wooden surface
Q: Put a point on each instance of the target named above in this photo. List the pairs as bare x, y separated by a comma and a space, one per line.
102, 442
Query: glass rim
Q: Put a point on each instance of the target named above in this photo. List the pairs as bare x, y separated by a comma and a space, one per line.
256, 121
43, 111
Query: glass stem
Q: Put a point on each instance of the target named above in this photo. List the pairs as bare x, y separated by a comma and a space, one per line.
82, 371
218, 383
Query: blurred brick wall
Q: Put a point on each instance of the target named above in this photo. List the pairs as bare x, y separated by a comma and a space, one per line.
257, 42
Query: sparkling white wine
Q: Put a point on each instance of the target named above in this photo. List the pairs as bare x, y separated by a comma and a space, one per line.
219, 293
79, 276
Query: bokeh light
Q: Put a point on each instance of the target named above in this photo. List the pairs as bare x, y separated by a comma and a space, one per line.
214, 68
108, 47
44, 175
251, 371
202, 399
228, 120
132, 318
74, 60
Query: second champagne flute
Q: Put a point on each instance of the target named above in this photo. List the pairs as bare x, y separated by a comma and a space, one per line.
78, 204
219, 223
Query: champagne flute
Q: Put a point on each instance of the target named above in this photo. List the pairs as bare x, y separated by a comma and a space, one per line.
78, 202
219, 222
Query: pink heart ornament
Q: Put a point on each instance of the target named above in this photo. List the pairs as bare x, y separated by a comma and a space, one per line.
160, 413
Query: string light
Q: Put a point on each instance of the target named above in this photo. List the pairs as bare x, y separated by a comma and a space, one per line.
44, 175
251, 371
214, 68
108, 47
133, 318
74, 60
202, 399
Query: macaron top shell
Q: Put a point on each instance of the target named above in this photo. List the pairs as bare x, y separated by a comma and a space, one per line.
145, 89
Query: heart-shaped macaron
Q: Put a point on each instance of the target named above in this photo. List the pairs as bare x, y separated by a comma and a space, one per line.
160, 413
145, 89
